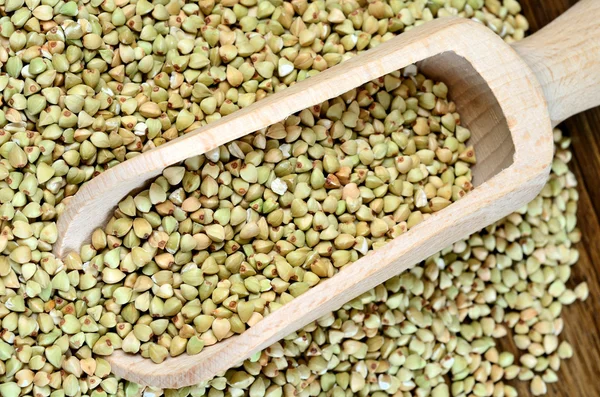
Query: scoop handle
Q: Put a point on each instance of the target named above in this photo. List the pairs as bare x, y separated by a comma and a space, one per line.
565, 56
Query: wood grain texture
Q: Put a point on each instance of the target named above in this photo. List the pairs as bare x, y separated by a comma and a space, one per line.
565, 56
579, 376
500, 103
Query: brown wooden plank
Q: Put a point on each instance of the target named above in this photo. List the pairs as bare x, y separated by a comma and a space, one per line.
579, 376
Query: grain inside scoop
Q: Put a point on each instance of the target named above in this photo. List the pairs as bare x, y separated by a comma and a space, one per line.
509, 97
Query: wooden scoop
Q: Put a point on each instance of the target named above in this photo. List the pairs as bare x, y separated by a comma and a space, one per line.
509, 96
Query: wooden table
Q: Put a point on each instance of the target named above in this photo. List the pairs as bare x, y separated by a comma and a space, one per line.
579, 376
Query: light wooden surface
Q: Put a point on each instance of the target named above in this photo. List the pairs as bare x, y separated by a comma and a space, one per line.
565, 56
501, 102
580, 375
